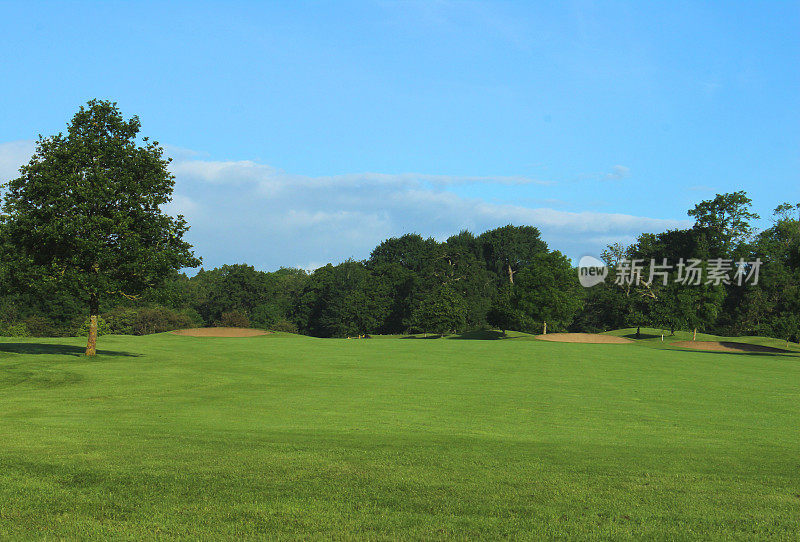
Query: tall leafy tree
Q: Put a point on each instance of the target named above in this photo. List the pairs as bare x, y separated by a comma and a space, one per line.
726, 219
441, 311
465, 271
510, 248
345, 300
772, 307
504, 312
548, 291
86, 212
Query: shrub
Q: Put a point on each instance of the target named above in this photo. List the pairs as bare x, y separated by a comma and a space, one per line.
193, 317
102, 327
285, 326
234, 319
39, 326
265, 316
13, 329
121, 320
159, 320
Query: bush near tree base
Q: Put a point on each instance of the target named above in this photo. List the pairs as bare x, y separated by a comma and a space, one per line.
234, 319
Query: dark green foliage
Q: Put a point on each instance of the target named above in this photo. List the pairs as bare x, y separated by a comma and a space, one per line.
504, 313
284, 326
85, 211
234, 319
147, 320
441, 311
725, 220
345, 300
548, 291
85, 217
40, 326
508, 249
505, 278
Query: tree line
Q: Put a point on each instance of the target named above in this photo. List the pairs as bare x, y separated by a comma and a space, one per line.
83, 227
505, 278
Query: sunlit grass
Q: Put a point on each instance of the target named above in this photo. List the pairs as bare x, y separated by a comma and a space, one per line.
288, 436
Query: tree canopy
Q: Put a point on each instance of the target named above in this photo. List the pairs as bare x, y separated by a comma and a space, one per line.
86, 212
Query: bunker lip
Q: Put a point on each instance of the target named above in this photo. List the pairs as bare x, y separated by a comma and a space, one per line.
588, 338
730, 346
220, 332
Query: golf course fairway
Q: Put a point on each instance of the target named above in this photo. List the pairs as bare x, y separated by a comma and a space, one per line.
284, 436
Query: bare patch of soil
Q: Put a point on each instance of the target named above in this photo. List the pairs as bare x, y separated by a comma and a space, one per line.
220, 332
728, 346
594, 338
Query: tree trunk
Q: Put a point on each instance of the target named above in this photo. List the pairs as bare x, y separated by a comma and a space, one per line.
94, 308
694, 336
639, 332
544, 331
510, 274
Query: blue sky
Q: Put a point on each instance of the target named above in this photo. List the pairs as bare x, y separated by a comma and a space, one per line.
308, 132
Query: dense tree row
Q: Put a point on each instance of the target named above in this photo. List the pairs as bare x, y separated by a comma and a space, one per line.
505, 278
722, 233
83, 232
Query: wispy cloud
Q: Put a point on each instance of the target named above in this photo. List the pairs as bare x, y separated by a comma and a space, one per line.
270, 217
239, 171
247, 211
617, 173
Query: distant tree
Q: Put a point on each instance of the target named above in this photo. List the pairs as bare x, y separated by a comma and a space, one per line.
510, 248
345, 300
726, 218
403, 284
234, 319
772, 307
465, 271
237, 287
441, 311
504, 313
86, 213
410, 251
548, 291
681, 303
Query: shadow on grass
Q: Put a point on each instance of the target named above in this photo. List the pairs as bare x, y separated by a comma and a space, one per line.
56, 349
777, 352
480, 335
643, 336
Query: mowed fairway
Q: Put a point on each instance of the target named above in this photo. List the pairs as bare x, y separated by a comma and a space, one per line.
295, 437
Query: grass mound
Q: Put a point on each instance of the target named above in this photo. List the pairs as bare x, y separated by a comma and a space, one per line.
220, 332
589, 338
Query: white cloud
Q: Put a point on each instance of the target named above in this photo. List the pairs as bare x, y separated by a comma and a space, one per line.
617, 173
270, 178
12, 155
183, 205
267, 217
244, 211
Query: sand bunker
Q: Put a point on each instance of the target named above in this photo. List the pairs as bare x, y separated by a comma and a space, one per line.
595, 338
726, 346
220, 332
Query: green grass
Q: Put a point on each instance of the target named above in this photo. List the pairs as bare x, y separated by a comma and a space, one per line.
292, 437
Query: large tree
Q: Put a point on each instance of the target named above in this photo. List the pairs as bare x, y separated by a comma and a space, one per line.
726, 220
441, 310
510, 248
344, 300
86, 212
547, 291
